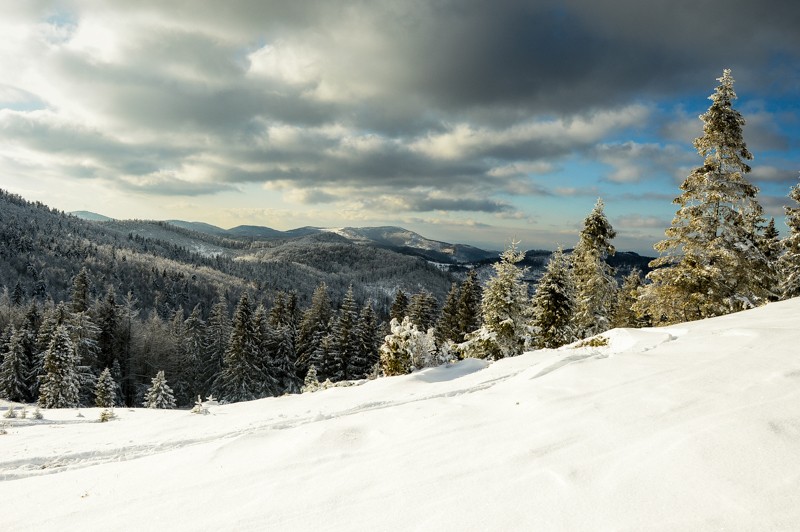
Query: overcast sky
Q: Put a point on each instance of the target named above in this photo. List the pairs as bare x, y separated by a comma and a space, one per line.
465, 120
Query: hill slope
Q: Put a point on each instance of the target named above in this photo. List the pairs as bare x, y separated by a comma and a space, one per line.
692, 427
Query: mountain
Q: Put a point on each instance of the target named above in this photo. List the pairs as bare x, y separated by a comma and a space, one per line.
173, 267
91, 216
405, 241
200, 227
690, 427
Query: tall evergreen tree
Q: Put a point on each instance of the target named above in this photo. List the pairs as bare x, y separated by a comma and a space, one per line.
79, 293
60, 384
505, 311
399, 308
447, 329
595, 285
789, 262
242, 377
554, 305
106, 315
314, 326
14, 370
710, 263
423, 310
368, 339
217, 333
345, 335
469, 304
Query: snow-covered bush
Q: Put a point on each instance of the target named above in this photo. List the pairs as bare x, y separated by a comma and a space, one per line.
407, 349
107, 414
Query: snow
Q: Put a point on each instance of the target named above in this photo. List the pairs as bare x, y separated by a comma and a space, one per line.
695, 427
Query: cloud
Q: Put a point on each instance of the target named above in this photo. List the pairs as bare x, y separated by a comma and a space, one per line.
633, 162
402, 106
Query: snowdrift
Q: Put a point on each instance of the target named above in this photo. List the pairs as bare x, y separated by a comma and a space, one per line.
693, 427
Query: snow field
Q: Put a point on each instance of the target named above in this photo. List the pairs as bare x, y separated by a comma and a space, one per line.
695, 427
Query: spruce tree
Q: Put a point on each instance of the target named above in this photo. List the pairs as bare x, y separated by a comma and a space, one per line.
447, 329
314, 326
215, 342
79, 293
469, 304
710, 262
504, 308
346, 341
159, 395
423, 310
399, 308
242, 377
60, 384
789, 262
105, 395
554, 305
14, 369
368, 342
106, 316
595, 285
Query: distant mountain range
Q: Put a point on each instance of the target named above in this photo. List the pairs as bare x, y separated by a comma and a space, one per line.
387, 237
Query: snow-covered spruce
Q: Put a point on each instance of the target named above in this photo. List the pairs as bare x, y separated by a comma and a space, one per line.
505, 311
159, 395
60, 385
595, 285
554, 305
711, 263
106, 391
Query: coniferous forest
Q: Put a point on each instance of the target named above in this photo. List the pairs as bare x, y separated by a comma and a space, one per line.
100, 313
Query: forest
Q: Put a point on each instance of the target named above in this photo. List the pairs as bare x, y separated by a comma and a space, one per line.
114, 313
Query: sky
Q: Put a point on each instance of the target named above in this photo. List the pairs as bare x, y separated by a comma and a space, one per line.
467, 121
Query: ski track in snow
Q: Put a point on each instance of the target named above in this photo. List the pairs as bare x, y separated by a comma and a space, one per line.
43, 465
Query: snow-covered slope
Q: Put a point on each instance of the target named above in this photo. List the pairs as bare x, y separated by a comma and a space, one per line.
693, 427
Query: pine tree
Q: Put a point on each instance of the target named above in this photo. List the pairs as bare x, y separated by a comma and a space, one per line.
447, 329
554, 305
79, 293
346, 342
106, 316
314, 326
215, 342
368, 342
14, 370
423, 310
60, 384
595, 285
710, 263
242, 377
789, 262
159, 395
105, 394
399, 308
504, 308
18, 294
469, 304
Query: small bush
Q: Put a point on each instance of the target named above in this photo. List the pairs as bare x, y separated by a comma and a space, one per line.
594, 341
107, 415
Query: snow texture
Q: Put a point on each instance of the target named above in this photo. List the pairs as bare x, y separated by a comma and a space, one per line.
691, 427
